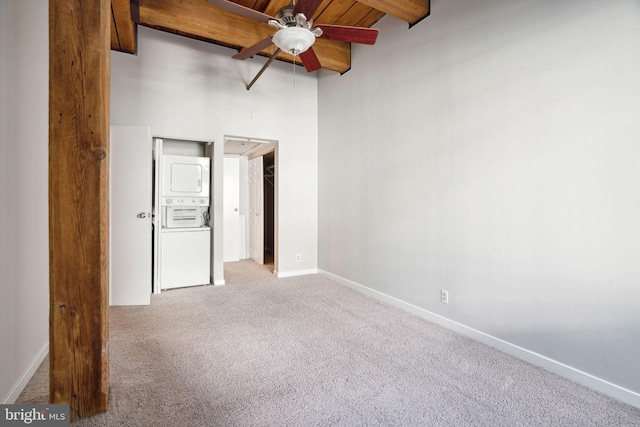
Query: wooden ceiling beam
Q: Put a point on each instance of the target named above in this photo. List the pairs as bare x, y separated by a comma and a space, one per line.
123, 29
331, 15
370, 18
360, 15
411, 11
205, 21
275, 5
323, 6
115, 43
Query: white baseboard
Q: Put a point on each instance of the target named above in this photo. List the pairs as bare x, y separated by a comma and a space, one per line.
625, 395
218, 282
280, 274
15, 391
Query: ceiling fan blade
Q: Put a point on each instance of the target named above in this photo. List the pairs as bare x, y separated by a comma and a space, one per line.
240, 10
307, 7
349, 34
252, 50
264, 67
310, 60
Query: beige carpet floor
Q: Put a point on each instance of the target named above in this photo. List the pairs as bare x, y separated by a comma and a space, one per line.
306, 351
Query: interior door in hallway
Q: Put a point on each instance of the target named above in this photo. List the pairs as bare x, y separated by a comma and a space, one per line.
230, 209
256, 210
130, 268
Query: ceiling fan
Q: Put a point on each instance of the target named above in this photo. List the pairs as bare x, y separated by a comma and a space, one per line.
296, 32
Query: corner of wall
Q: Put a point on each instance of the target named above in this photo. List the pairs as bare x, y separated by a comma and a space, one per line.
624, 395
24, 379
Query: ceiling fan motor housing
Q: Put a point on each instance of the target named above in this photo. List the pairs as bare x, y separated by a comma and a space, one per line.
288, 19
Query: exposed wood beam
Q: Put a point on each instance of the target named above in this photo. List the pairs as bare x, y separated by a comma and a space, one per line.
371, 18
205, 21
323, 5
275, 5
135, 11
79, 68
330, 15
360, 16
410, 11
123, 28
115, 43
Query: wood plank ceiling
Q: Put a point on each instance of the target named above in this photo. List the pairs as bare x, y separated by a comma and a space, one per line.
201, 20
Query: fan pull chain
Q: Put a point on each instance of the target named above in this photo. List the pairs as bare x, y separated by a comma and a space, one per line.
294, 70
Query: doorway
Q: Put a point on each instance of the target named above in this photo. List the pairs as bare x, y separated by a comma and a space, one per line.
269, 185
257, 188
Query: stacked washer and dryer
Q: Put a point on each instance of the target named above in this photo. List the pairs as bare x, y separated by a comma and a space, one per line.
185, 234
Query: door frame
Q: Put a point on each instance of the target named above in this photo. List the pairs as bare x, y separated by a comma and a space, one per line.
265, 146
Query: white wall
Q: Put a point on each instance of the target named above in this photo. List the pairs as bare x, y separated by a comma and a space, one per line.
193, 90
493, 151
24, 238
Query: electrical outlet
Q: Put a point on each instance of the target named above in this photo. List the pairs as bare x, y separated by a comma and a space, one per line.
298, 257
444, 296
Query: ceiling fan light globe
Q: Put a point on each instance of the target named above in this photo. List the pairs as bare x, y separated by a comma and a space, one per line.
294, 40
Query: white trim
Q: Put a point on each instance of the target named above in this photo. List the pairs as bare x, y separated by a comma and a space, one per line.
15, 391
280, 274
625, 395
218, 282
156, 155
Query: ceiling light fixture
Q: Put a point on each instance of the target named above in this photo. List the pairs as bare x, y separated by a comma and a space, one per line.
294, 40
294, 34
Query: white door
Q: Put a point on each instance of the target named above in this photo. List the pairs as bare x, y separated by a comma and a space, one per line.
230, 209
130, 212
256, 210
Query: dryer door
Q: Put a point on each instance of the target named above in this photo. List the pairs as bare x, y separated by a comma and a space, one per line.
186, 178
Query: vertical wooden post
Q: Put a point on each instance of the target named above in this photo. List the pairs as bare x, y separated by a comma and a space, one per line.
79, 71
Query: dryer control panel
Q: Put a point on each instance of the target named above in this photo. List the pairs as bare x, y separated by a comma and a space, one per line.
185, 201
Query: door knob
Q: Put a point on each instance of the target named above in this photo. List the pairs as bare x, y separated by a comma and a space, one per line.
142, 215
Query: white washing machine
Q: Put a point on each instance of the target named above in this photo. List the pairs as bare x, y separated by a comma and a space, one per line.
185, 257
